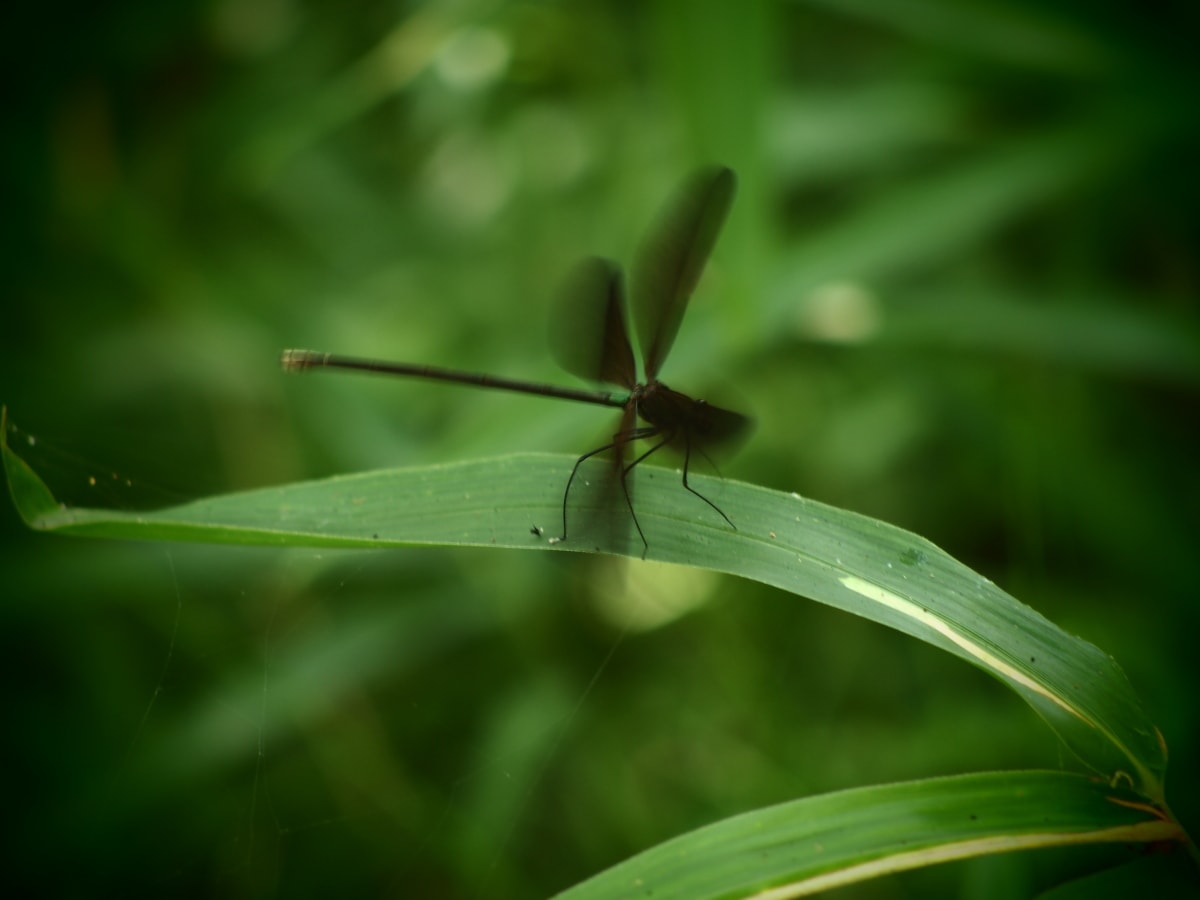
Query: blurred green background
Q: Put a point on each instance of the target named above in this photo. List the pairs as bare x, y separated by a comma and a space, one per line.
958, 291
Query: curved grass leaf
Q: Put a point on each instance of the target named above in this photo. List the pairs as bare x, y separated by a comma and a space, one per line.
845, 560
820, 843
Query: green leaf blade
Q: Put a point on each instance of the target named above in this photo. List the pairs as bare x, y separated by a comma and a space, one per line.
819, 843
839, 558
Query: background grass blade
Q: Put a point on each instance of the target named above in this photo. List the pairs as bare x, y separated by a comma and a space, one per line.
845, 560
